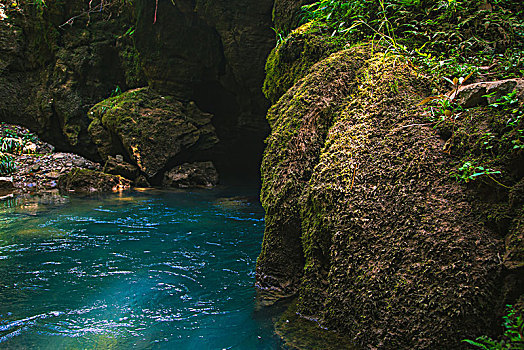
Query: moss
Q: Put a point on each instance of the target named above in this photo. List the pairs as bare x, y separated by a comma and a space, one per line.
291, 59
89, 181
130, 60
482, 136
394, 254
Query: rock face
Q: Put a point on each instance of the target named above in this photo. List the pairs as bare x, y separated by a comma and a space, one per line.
291, 59
362, 218
213, 53
6, 185
151, 130
84, 181
482, 93
286, 14
199, 174
300, 121
117, 166
57, 61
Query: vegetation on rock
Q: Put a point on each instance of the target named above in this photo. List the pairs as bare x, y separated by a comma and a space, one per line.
394, 251
85, 181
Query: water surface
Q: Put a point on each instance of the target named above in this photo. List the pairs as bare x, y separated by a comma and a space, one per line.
152, 270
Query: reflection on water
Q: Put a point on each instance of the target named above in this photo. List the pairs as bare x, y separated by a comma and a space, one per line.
144, 270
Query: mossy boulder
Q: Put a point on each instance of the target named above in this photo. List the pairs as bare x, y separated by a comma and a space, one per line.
150, 129
364, 220
85, 181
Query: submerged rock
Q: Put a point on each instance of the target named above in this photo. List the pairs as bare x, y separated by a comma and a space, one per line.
84, 181
150, 128
199, 174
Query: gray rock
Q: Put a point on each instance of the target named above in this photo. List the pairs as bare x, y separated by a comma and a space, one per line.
199, 174
473, 95
117, 166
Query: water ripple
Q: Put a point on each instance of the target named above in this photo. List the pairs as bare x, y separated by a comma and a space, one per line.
163, 271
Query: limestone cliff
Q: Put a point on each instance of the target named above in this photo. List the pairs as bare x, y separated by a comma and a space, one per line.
58, 60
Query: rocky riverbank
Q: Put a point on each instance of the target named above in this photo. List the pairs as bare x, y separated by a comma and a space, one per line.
32, 166
36, 166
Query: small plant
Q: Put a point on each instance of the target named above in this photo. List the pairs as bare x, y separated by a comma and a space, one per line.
513, 337
447, 105
281, 36
468, 172
116, 92
487, 140
130, 31
7, 164
39, 3
11, 145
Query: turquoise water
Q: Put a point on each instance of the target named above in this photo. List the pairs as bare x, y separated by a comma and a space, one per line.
142, 270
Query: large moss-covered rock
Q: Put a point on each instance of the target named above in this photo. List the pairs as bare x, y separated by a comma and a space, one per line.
150, 129
300, 121
363, 219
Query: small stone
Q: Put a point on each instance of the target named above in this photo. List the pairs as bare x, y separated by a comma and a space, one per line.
119, 158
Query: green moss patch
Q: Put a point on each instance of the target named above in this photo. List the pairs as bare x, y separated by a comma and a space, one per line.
293, 57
